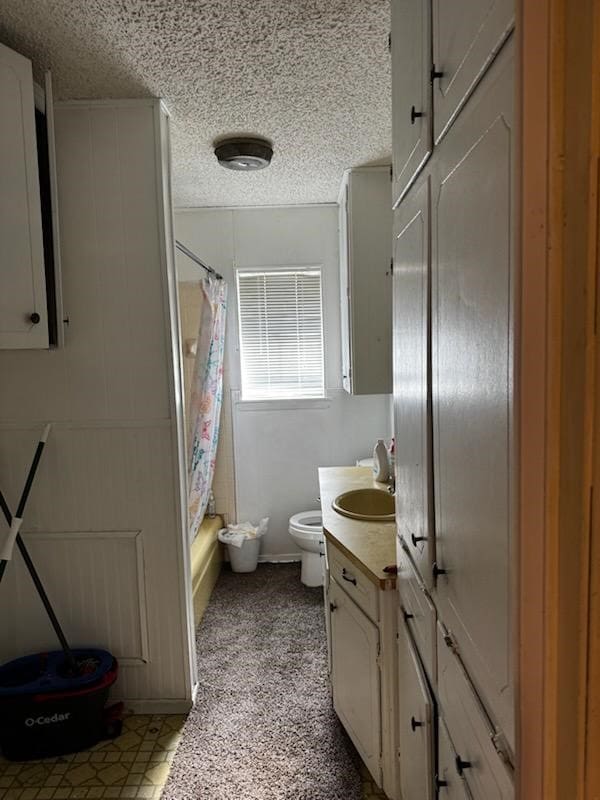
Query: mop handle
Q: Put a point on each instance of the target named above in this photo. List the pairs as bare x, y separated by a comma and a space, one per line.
23, 550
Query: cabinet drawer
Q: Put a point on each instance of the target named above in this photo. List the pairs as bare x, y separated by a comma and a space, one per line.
417, 610
486, 775
363, 591
415, 723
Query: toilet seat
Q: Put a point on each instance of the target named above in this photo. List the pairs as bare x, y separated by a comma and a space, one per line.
309, 523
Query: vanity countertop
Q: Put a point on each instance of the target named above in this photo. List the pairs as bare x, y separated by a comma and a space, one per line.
371, 546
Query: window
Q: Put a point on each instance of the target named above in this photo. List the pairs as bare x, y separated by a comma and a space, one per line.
281, 333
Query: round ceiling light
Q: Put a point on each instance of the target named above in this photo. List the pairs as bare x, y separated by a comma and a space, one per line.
244, 154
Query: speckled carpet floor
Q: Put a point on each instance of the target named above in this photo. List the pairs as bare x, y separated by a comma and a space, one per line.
263, 727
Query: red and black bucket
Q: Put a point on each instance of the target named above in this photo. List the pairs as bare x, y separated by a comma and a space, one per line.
47, 708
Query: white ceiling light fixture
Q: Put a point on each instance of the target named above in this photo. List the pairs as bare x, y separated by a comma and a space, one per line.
244, 153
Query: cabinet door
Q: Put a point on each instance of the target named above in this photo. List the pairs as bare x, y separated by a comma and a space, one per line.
416, 717
411, 377
450, 785
472, 362
417, 610
345, 316
411, 91
467, 34
478, 762
356, 678
22, 279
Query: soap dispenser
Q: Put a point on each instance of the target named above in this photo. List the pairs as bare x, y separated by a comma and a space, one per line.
381, 464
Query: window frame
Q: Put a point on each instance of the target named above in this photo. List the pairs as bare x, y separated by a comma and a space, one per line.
280, 403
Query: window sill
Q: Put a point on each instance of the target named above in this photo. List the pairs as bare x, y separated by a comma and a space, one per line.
291, 404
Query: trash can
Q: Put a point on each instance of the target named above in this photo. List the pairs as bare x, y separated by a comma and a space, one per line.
243, 544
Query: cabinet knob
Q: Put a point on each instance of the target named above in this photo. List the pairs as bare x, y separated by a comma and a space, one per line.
347, 577
414, 724
407, 615
440, 783
462, 765
416, 539
332, 607
414, 114
436, 73
35, 317
438, 570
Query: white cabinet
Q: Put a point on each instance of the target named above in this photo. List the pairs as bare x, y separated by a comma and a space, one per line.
479, 747
365, 280
23, 313
416, 723
450, 785
418, 611
355, 676
467, 34
411, 283
472, 368
411, 101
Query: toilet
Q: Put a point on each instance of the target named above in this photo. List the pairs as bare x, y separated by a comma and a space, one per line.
306, 529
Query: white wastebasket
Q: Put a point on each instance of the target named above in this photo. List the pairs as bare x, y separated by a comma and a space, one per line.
244, 558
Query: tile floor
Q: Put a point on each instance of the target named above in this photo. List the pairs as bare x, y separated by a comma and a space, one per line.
135, 765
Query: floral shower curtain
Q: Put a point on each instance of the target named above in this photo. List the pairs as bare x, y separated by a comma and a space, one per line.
206, 399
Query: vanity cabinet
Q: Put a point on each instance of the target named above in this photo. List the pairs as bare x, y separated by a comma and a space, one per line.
355, 676
23, 312
440, 51
365, 227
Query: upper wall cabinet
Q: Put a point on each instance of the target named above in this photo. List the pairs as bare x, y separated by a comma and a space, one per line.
411, 103
430, 86
23, 311
365, 280
467, 34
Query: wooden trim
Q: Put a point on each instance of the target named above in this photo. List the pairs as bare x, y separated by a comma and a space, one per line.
558, 194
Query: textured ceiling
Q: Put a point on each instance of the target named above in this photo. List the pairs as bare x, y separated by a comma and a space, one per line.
311, 75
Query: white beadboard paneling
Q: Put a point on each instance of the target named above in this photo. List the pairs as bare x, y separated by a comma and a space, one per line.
112, 461
95, 582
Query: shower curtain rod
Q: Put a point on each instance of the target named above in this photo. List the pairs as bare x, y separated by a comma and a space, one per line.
198, 261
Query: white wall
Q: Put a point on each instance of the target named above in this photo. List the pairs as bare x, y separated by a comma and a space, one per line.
103, 521
277, 447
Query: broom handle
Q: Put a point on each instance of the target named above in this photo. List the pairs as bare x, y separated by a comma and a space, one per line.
27, 558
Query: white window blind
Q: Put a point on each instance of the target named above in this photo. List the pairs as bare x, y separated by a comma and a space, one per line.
281, 333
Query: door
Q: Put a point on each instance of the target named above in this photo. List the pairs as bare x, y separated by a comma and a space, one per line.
411, 91
356, 677
467, 35
416, 718
411, 273
23, 312
472, 366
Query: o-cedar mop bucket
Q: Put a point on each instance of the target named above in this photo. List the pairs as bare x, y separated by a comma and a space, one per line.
51, 703
45, 710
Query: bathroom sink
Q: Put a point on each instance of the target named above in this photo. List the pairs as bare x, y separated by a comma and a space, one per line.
374, 505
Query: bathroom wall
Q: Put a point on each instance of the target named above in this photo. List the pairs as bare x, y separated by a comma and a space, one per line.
276, 447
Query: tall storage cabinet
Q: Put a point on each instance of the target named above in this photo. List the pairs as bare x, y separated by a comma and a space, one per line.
454, 323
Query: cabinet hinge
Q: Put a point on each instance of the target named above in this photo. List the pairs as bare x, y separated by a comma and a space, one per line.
378, 656
391, 272
389, 42
391, 172
501, 746
450, 642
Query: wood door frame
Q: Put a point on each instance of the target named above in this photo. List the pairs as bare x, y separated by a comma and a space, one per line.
557, 106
